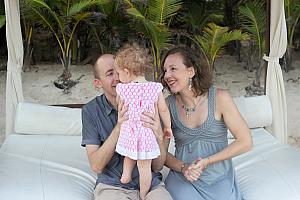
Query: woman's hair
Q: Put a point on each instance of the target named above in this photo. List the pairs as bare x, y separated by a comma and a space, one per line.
134, 58
202, 80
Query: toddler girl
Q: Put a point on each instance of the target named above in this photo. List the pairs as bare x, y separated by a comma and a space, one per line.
137, 143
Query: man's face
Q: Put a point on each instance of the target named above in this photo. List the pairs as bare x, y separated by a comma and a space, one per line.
108, 78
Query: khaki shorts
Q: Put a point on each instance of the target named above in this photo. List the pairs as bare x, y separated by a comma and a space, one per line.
108, 192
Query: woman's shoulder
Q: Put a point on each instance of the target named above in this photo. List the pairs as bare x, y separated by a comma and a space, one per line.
223, 96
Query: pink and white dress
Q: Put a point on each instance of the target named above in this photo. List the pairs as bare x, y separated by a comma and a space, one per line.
136, 141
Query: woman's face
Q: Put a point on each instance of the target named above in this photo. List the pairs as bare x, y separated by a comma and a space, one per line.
177, 75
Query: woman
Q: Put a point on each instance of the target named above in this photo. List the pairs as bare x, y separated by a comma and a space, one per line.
201, 114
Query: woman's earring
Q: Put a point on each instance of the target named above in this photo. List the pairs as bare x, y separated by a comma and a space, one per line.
190, 84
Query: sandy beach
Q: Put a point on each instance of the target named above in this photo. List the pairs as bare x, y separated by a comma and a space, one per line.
38, 87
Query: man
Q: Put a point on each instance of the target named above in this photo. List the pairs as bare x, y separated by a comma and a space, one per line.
100, 132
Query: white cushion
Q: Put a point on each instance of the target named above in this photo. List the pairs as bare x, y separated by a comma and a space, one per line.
257, 111
51, 167
270, 170
41, 119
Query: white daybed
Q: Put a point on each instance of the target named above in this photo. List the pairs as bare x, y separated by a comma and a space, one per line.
43, 159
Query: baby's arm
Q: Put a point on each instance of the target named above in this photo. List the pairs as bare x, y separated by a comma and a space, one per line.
164, 115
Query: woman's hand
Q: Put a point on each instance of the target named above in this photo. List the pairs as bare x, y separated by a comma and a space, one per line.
193, 171
122, 109
151, 120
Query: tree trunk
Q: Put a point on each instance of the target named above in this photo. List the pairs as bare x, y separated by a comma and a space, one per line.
287, 59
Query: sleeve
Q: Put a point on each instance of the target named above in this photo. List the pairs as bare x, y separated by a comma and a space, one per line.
90, 132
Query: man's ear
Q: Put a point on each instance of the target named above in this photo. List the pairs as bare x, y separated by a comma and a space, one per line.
97, 83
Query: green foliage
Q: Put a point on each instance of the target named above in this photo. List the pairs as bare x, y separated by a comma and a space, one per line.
112, 29
2, 20
292, 13
197, 14
2, 14
253, 21
151, 21
62, 19
214, 38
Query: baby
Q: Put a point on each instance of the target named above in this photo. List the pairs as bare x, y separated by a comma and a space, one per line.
137, 143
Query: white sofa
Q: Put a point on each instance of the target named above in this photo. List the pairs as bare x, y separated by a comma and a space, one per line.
43, 159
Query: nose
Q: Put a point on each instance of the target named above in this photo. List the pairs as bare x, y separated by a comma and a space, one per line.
116, 77
167, 74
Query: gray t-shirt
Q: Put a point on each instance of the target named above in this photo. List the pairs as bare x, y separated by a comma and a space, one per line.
98, 120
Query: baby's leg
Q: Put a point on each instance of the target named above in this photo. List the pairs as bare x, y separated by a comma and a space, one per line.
144, 167
128, 166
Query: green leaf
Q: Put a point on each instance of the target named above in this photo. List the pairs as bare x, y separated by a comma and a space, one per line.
161, 10
84, 4
2, 20
253, 21
214, 38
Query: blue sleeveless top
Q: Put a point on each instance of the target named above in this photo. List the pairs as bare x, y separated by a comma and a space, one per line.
217, 180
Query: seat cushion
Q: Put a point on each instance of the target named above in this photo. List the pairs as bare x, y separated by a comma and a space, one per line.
270, 170
45, 167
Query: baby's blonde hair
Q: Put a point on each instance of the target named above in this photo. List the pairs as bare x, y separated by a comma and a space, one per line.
134, 58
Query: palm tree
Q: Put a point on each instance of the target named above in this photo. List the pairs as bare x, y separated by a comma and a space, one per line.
253, 21
292, 13
111, 30
62, 19
214, 38
192, 19
151, 20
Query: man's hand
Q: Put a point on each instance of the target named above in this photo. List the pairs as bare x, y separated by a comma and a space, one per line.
122, 109
151, 120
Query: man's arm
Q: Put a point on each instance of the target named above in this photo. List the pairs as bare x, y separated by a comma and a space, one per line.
99, 156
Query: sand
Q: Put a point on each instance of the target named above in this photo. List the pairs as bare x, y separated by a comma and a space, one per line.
38, 87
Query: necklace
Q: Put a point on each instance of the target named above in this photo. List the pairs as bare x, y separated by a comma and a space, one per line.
188, 110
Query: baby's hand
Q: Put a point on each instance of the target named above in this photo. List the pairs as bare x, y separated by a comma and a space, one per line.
168, 133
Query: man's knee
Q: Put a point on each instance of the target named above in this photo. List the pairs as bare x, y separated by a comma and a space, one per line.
108, 192
159, 192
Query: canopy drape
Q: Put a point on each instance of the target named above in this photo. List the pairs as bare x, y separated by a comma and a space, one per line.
274, 83
14, 93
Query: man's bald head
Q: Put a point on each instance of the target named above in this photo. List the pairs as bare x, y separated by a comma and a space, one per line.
101, 64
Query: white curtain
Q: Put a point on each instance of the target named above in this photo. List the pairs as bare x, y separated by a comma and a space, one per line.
14, 93
275, 85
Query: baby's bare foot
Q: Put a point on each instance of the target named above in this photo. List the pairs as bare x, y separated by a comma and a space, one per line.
126, 178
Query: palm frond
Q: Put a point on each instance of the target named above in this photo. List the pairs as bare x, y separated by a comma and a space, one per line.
161, 10
84, 4
135, 13
253, 20
2, 20
41, 5
214, 38
292, 13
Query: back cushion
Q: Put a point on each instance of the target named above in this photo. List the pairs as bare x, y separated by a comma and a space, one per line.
41, 119
257, 111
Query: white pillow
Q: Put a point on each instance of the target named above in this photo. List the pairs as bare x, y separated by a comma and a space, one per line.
39, 119
257, 111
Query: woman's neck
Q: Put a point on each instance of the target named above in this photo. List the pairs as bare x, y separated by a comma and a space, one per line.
139, 79
188, 98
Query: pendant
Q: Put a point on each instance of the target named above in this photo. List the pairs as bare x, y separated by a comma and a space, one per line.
187, 114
